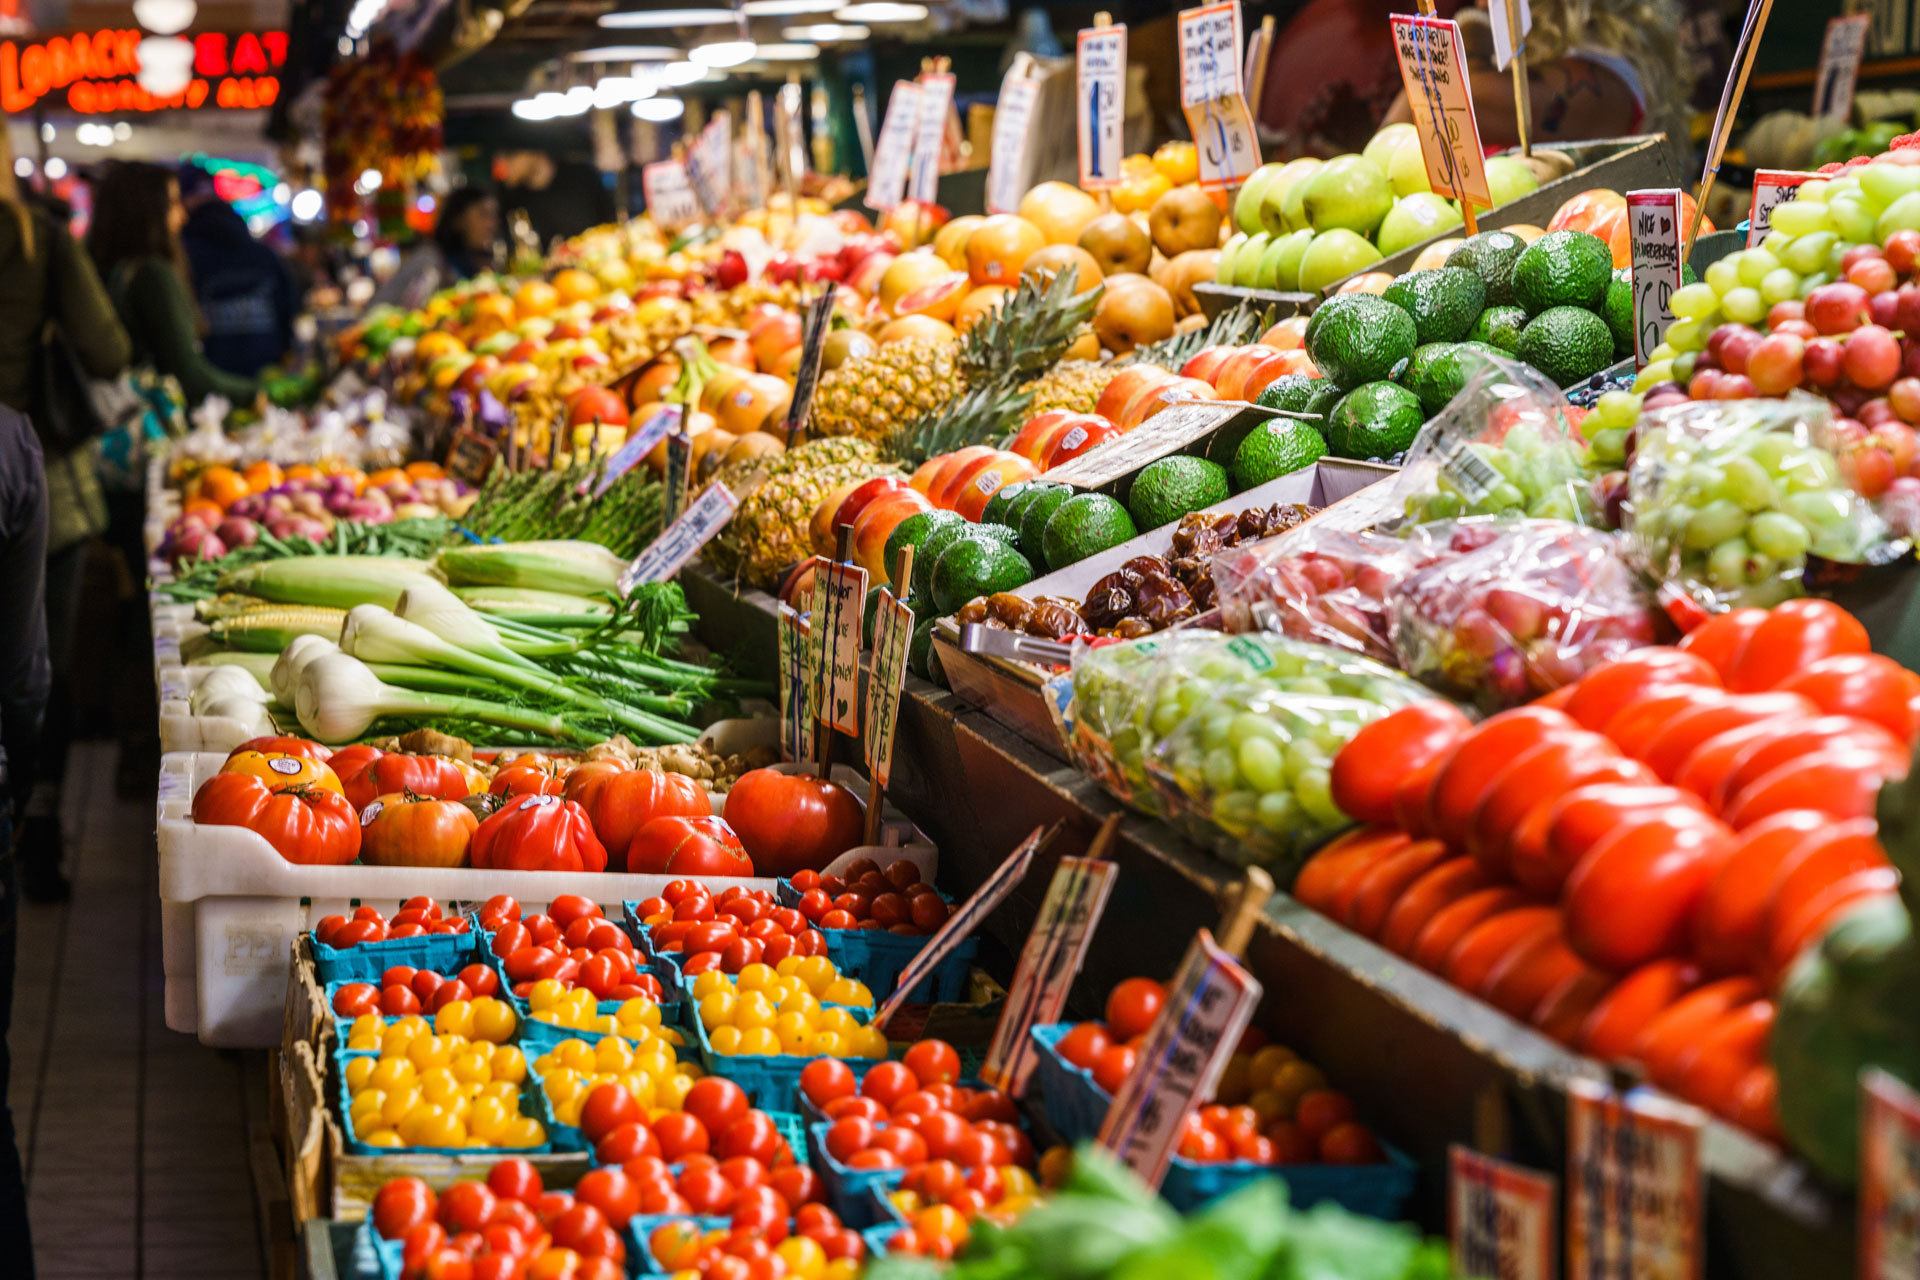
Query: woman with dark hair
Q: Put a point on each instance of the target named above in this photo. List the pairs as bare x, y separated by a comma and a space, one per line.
463, 244
135, 242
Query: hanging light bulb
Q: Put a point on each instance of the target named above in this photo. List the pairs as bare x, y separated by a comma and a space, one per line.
165, 17
723, 53
166, 65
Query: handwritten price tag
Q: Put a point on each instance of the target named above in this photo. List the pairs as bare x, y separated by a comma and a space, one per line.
838, 592
1049, 962
1101, 100
1433, 68
1499, 1216
1771, 189
1207, 1008
710, 166
796, 684
1012, 124
813, 342
1633, 1185
1840, 53
887, 178
892, 640
680, 541
1653, 221
671, 202
1889, 1178
965, 919
1211, 95
930, 134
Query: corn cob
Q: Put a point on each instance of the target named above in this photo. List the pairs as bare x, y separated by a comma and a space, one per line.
338, 582
269, 629
564, 565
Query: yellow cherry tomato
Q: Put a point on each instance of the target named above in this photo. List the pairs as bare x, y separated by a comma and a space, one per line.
755, 977
759, 1041
508, 1064
725, 1039
493, 1020
357, 1071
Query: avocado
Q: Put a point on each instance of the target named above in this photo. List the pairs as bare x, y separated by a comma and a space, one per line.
1084, 525
922, 658
1435, 375
1563, 269
914, 531
1356, 338
1033, 521
928, 552
1617, 310
976, 565
1491, 255
1017, 505
1377, 420
1168, 488
1289, 391
1567, 344
1443, 303
995, 512
1273, 449
1500, 327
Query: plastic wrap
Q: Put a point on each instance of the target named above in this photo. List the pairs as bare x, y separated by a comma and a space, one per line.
1317, 583
1508, 611
1504, 446
1728, 498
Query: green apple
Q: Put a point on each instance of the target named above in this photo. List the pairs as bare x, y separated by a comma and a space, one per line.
1246, 205
1335, 255
1420, 216
1287, 185
1280, 264
1390, 139
1223, 268
1246, 263
1407, 170
1348, 193
1508, 179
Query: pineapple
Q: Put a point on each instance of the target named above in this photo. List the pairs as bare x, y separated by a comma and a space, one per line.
1072, 385
875, 396
769, 531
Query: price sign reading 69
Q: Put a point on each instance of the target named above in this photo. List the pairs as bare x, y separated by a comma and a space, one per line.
1653, 221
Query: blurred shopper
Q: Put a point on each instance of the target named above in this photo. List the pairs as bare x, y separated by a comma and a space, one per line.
465, 241
245, 290
561, 198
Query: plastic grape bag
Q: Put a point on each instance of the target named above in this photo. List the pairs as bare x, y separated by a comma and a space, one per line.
1243, 748
1317, 583
1728, 497
1503, 446
1512, 610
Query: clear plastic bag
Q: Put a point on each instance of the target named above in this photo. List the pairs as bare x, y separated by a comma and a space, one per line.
1317, 583
1728, 497
1242, 748
1508, 611
1502, 447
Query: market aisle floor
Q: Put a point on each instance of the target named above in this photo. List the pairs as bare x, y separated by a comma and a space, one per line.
135, 1137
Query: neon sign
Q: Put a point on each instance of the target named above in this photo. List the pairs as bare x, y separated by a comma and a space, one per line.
97, 70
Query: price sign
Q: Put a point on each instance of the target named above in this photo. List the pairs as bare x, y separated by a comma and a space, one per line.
887, 177
1771, 189
1500, 1217
680, 541
470, 457
671, 202
1840, 54
640, 442
1503, 40
1211, 96
813, 341
930, 134
1208, 1006
892, 640
1049, 962
796, 685
679, 467
710, 164
964, 920
1889, 1178
1012, 124
839, 590
1101, 101
1168, 431
1653, 220
1633, 1185
1433, 69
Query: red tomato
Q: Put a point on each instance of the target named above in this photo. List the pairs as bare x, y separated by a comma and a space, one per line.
1435, 941
1795, 926
698, 846
1547, 769
400, 1206
1482, 947
825, 1079
1730, 922
1587, 815
1476, 763
1677, 1028
612, 1192
287, 747
515, 1178
1631, 899
1654, 707
1606, 689
542, 779
1083, 1045
1668, 748
1415, 793
789, 822
1866, 685
906, 1146
715, 1102
619, 804
466, 1206
752, 1134
1710, 1071
1793, 637
1379, 757
933, 1062
608, 1107
434, 776
1561, 1011
680, 1135
1379, 887
1435, 888
1113, 1067
844, 1137
1831, 854
1351, 1143
405, 830
1319, 1110
797, 1184
626, 1142
307, 826
705, 1190
1821, 733
1530, 972
356, 998
1842, 781
348, 761
1721, 638
538, 833
1617, 1021
1133, 1006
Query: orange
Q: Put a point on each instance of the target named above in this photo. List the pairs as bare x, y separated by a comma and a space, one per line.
575, 285
534, 298
999, 247
263, 475
1178, 161
222, 486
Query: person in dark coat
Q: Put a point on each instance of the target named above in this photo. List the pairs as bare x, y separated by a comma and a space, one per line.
246, 292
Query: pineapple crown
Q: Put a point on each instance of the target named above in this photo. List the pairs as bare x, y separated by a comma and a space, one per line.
1027, 333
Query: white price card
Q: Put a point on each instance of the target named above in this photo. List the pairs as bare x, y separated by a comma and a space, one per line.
671, 202
887, 177
1211, 94
1503, 41
681, 541
1012, 126
1633, 1185
929, 135
1208, 1006
1499, 1216
709, 167
1101, 103
1049, 962
796, 685
1840, 52
1889, 1178
1433, 69
1653, 222
886, 677
641, 441
965, 919
1771, 189
839, 591
1168, 431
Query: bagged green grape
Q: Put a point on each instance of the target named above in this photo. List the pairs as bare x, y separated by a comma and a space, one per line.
1504, 446
1241, 765
1729, 497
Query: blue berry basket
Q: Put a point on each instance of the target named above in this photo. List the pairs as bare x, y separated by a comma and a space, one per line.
567, 1137
878, 957
640, 1259
529, 1106
1074, 1105
446, 953
771, 1081
372, 1258
851, 1193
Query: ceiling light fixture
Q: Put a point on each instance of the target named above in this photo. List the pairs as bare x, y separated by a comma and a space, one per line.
166, 65
165, 17
793, 51
881, 11
722, 53
828, 32
659, 110
788, 8
647, 19
682, 73
626, 53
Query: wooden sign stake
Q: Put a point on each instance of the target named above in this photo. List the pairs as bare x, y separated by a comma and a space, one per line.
1729, 104
1522, 99
1250, 899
